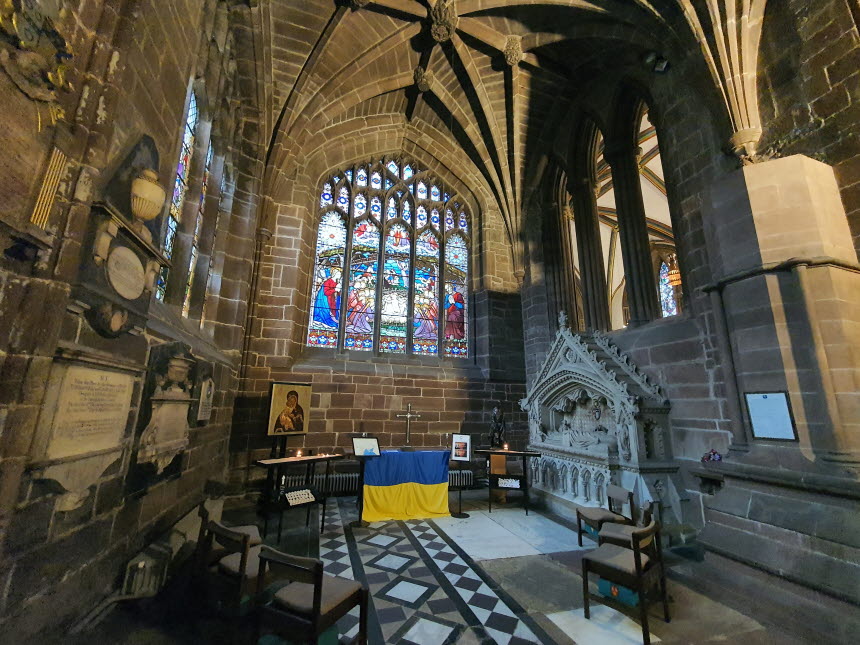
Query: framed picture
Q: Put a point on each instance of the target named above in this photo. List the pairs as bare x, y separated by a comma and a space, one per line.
461, 448
366, 446
770, 416
289, 409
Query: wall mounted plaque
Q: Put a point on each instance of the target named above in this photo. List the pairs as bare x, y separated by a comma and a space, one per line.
126, 273
770, 416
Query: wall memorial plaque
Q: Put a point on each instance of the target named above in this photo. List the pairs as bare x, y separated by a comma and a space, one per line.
207, 394
91, 411
125, 272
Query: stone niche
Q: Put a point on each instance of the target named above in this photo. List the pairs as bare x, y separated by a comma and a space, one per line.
163, 424
84, 425
596, 420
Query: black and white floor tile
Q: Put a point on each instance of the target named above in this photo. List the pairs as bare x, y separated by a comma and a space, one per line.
423, 588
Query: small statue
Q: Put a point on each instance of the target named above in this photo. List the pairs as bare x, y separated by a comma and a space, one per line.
498, 427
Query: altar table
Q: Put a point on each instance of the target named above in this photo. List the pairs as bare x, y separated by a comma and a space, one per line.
405, 485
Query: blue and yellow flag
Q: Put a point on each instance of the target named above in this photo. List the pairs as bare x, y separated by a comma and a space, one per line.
406, 485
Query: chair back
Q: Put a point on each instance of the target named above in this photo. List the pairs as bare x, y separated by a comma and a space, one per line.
650, 511
296, 569
620, 496
231, 540
646, 540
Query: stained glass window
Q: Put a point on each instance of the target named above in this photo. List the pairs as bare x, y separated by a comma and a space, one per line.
667, 292
195, 241
456, 273
180, 187
397, 272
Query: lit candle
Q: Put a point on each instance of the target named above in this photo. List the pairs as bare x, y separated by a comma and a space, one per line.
299, 453
506, 446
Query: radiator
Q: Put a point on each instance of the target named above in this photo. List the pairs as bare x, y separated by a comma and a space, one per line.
347, 483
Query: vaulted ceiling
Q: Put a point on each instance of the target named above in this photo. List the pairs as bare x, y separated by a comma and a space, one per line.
493, 79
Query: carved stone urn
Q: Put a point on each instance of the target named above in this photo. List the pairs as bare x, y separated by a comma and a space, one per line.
147, 199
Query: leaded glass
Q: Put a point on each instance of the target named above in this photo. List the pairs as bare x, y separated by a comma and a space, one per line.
361, 298
180, 187
360, 205
434, 218
326, 197
195, 241
343, 199
380, 278
395, 290
425, 319
376, 207
348, 174
328, 270
456, 274
667, 293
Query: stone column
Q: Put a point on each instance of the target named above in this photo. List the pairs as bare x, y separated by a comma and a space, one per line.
591, 267
635, 247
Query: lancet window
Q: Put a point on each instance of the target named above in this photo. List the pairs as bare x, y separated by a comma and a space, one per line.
391, 271
180, 187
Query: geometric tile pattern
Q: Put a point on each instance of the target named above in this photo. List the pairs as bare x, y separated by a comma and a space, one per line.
422, 590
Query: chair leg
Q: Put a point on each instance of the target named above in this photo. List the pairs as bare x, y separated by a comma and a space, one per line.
579, 528
585, 608
322, 515
362, 617
643, 616
664, 592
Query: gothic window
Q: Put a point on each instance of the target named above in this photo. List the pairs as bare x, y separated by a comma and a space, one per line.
667, 292
388, 276
180, 187
195, 240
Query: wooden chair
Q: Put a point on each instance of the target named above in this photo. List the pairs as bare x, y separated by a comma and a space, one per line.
311, 603
215, 551
639, 568
596, 517
231, 577
621, 534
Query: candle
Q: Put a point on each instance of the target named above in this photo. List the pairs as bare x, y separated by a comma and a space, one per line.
506, 446
299, 453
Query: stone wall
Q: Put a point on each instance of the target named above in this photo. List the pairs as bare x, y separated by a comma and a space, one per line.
132, 66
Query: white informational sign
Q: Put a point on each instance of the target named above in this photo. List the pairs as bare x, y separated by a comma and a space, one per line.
770, 416
365, 446
461, 449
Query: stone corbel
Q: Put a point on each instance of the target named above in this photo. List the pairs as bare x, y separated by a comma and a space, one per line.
733, 61
77, 476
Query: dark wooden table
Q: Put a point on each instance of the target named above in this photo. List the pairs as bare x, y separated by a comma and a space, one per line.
522, 481
271, 494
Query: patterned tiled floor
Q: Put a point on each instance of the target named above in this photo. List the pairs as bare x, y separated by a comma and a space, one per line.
424, 589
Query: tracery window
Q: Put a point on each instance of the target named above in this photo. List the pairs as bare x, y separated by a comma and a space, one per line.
195, 240
391, 270
180, 187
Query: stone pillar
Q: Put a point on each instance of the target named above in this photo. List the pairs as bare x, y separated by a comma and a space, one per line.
635, 247
595, 302
784, 264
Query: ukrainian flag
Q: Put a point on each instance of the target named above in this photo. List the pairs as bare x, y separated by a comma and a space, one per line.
406, 485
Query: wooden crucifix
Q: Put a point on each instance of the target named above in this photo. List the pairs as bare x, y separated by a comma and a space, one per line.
408, 416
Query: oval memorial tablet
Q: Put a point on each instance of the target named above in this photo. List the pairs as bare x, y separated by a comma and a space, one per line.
125, 273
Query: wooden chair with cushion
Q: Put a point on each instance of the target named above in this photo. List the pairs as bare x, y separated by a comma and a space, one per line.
638, 567
232, 577
311, 603
596, 517
621, 534
215, 552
